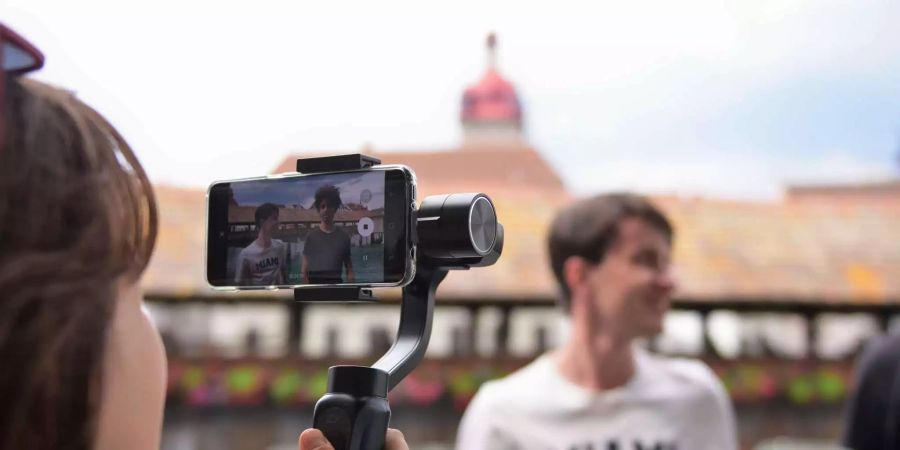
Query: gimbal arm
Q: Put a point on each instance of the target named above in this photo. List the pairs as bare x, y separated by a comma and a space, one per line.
414, 332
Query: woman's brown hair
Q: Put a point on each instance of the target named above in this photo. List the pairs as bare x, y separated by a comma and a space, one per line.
77, 216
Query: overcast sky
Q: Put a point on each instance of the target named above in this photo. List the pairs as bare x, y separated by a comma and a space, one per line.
716, 98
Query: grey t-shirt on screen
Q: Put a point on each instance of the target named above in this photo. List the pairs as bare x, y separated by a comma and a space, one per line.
326, 254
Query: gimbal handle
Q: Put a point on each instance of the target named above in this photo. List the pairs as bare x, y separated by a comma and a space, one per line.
354, 414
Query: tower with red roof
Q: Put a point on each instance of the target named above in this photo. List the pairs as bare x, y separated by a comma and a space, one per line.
491, 112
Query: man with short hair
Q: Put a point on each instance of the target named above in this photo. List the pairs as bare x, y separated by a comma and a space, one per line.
327, 249
262, 263
599, 390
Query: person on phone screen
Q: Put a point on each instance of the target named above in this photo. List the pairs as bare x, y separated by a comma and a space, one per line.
611, 258
84, 366
326, 252
262, 263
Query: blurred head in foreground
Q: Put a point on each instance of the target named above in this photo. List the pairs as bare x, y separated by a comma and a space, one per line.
83, 367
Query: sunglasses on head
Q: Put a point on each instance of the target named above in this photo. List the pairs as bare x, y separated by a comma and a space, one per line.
17, 56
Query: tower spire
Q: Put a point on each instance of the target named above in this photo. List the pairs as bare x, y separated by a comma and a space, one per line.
491, 113
492, 50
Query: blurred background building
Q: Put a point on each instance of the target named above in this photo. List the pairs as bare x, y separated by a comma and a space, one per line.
777, 296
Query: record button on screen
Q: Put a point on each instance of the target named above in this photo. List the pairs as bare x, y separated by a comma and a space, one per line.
365, 226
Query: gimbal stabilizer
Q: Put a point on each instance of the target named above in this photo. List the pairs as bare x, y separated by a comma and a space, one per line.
451, 231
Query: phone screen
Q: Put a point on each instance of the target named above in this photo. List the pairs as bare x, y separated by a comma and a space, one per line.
346, 228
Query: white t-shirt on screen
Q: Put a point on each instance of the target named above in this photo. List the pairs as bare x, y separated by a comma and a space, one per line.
264, 264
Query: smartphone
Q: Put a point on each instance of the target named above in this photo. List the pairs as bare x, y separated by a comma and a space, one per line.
350, 228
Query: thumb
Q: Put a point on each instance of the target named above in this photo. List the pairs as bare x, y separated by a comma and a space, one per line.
313, 439
395, 440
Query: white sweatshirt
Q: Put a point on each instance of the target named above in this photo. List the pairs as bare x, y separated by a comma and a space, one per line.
669, 404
